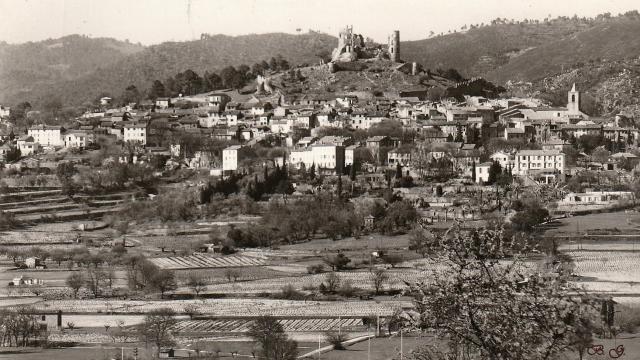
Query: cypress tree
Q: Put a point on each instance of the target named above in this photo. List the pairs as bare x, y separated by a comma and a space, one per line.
352, 172
312, 171
398, 171
339, 186
473, 171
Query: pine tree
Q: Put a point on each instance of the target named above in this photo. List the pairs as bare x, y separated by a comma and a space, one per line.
473, 171
352, 172
312, 171
494, 172
459, 137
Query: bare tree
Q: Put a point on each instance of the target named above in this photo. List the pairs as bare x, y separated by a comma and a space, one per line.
232, 274
332, 281
156, 328
197, 283
75, 281
164, 280
378, 278
95, 280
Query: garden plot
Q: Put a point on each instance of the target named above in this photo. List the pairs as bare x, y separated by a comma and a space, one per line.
93, 320
206, 261
615, 266
357, 279
621, 245
229, 307
221, 275
289, 325
36, 237
611, 287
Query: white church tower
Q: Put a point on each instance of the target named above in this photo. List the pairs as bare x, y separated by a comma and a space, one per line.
573, 102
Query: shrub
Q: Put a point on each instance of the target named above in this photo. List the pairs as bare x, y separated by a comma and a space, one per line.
288, 292
336, 340
629, 319
331, 283
315, 269
346, 289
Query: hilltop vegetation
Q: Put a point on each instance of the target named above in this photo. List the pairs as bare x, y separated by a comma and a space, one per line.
76, 69
30, 67
530, 49
609, 87
142, 67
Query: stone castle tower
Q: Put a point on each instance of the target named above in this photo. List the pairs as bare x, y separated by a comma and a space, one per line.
573, 100
394, 46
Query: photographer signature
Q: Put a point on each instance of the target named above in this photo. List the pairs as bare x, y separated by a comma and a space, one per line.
614, 353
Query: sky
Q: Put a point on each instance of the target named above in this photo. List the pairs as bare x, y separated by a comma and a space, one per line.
154, 21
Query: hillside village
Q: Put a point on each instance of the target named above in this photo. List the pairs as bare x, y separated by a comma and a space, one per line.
312, 194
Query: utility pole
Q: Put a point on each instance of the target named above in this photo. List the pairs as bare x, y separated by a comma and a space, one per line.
400, 343
369, 342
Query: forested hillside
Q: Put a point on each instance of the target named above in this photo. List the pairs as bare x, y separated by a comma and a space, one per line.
164, 60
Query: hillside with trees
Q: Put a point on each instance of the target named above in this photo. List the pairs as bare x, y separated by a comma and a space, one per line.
609, 87
75, 69
529, 49
27, 67
212, 53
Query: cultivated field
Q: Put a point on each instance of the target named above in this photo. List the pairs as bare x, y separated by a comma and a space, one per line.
199, 261
357, 279
289, 325
230, 307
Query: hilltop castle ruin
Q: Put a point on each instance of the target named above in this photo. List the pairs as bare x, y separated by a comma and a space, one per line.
351, 47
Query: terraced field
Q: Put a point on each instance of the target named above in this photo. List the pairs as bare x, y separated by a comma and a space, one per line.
289, 325
40, 206
200, 261
230, 307
35, 238
358, 279
621, 266
219, 275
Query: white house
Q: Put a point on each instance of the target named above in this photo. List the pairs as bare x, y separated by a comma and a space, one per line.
231, 157
504, 159
163, 102
482, 172
25, 280
27, 145
364, 121
323, 156
530, 161
399, 156
347, 100
596, 197
350, 154
77, 139
47, 135
281, 126
136, 133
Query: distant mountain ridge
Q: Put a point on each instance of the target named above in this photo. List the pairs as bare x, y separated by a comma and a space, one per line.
78, 69
161, 61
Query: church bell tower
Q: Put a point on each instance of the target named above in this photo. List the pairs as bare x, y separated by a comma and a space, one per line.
573, 101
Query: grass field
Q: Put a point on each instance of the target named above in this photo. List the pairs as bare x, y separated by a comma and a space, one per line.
620, 220
366, 242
